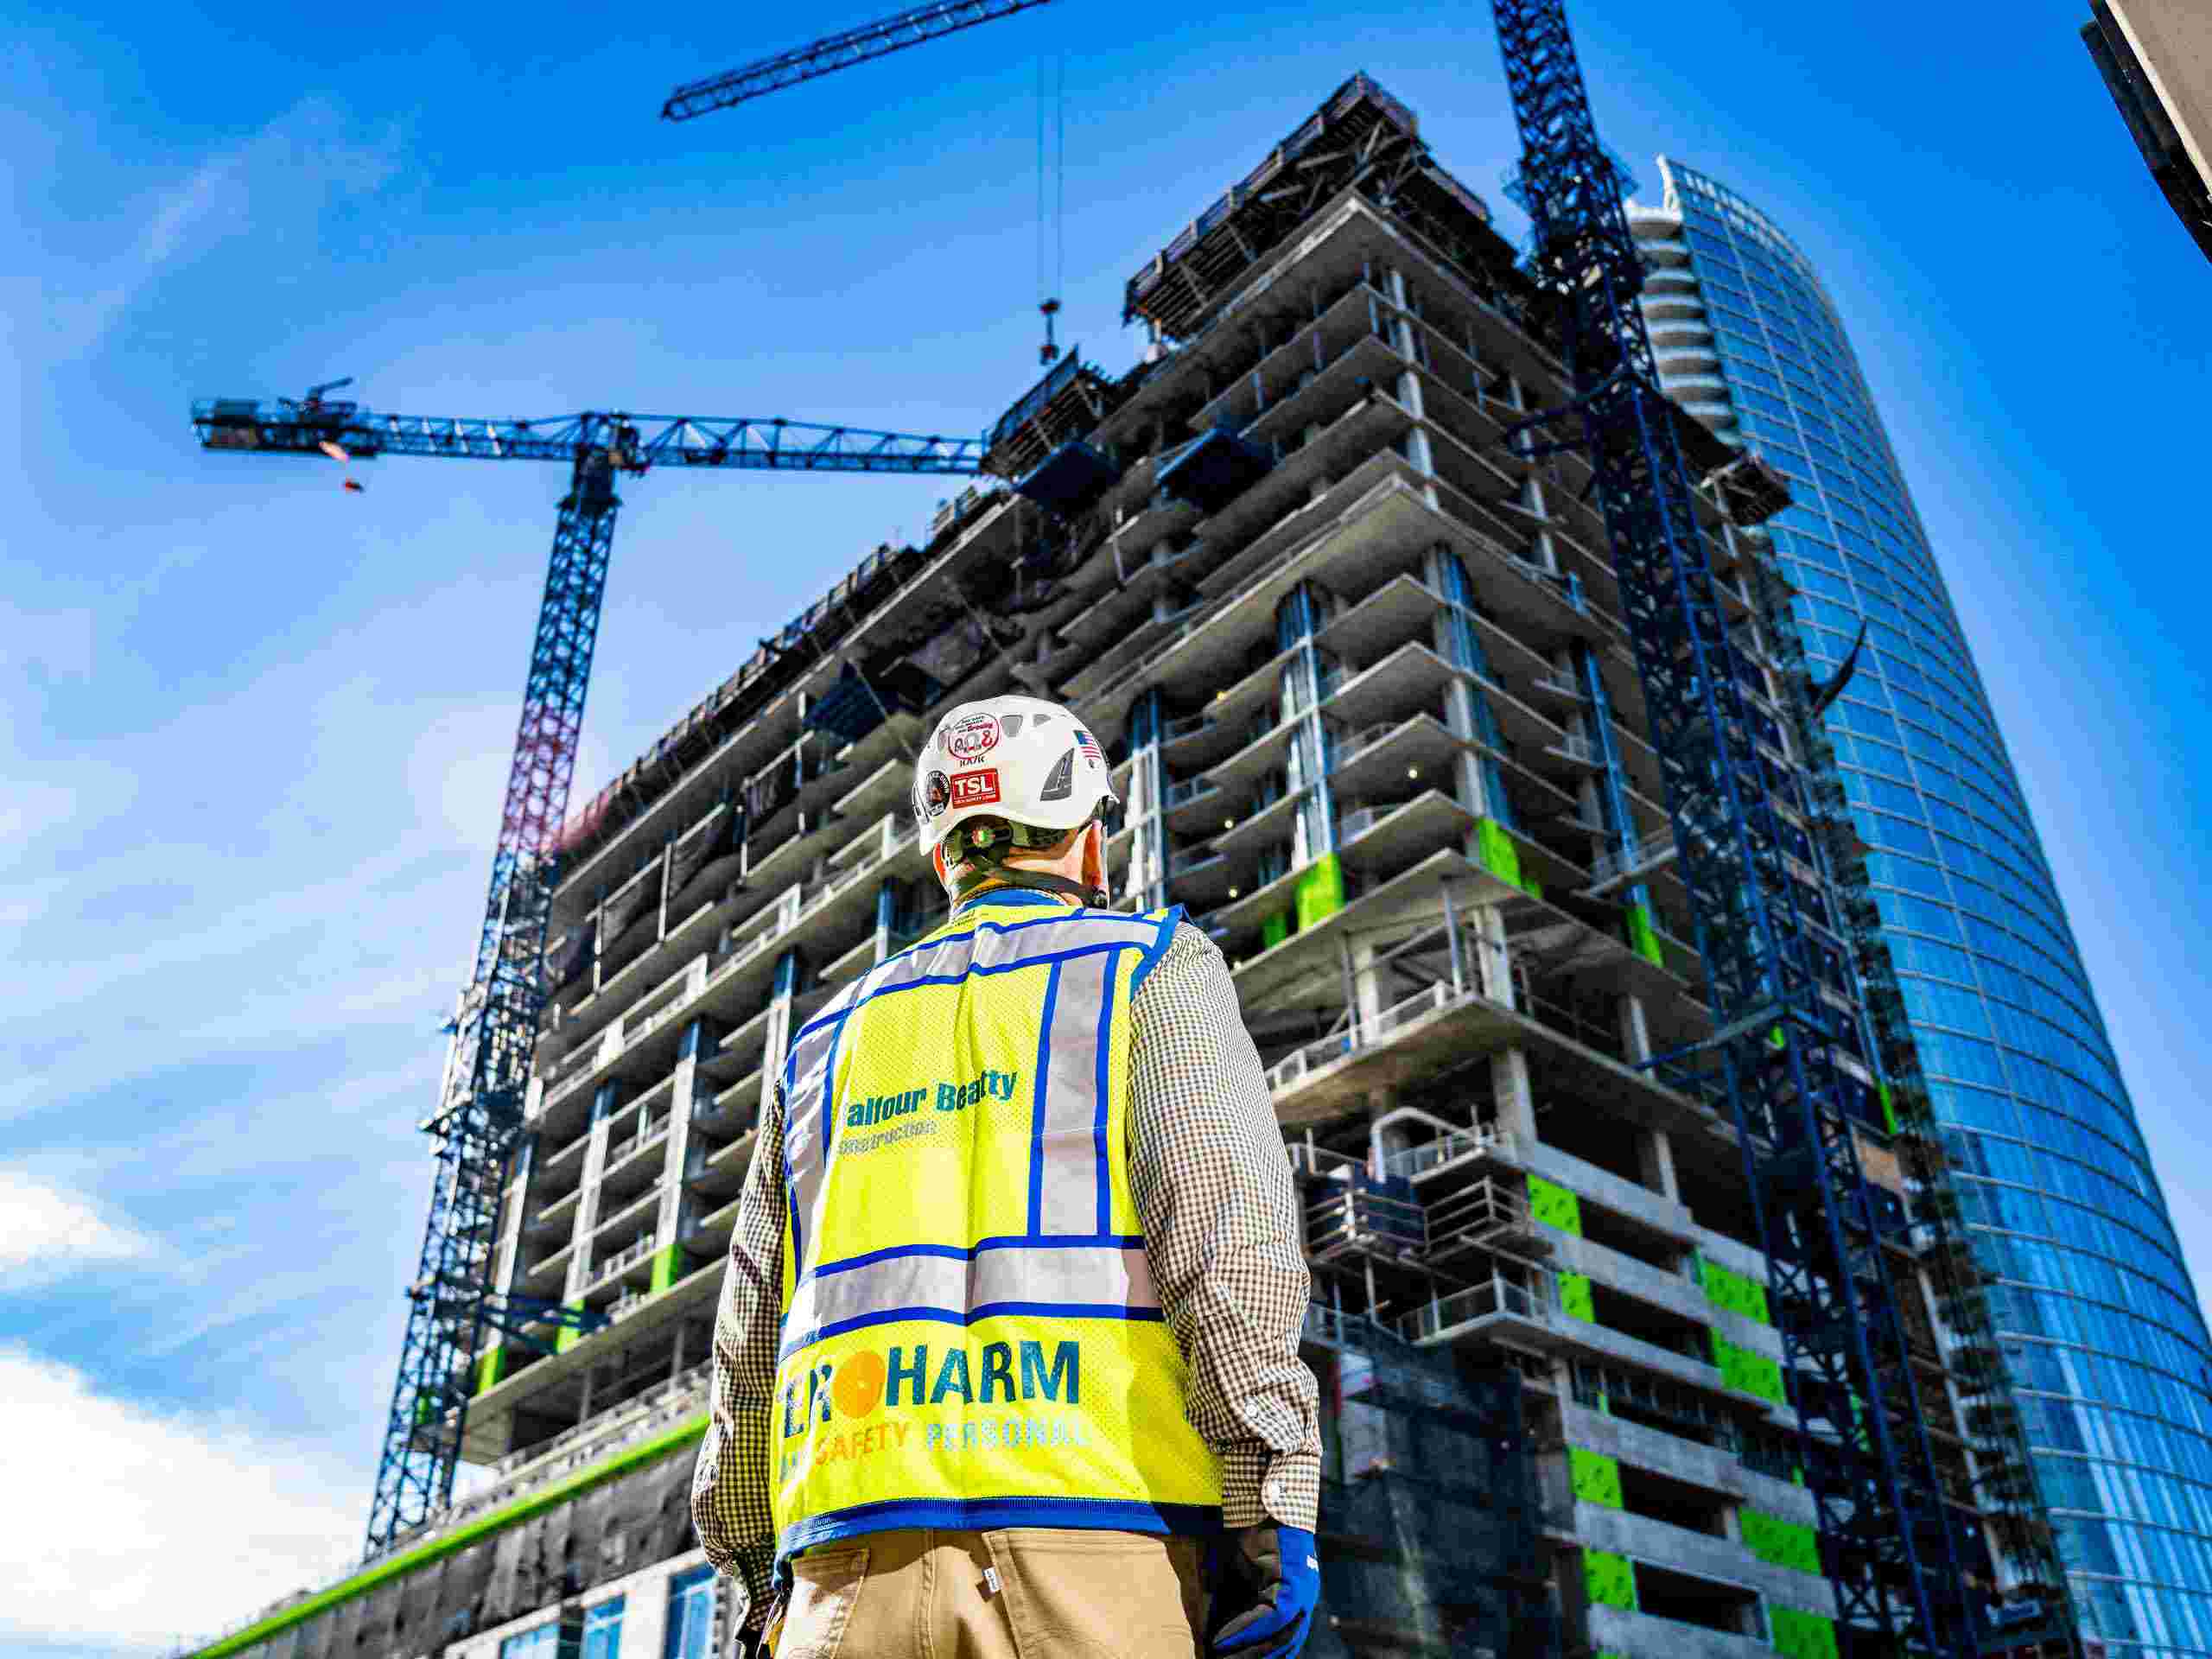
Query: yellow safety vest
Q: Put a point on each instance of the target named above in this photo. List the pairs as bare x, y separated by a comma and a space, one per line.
971, 1338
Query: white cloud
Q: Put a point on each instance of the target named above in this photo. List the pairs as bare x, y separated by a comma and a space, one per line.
45, 1230
148, 1528
279, 181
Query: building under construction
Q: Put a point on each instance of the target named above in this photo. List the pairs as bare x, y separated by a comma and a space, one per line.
1362, 666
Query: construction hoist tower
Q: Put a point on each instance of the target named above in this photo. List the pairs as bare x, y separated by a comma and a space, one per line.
1886, 1540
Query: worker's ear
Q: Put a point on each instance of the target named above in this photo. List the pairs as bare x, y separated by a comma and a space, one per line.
1094, 854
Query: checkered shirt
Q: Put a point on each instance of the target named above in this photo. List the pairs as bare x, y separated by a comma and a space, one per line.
1214, 1191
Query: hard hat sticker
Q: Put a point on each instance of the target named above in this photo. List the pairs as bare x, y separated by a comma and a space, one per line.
975, 788
936, 794
972, 737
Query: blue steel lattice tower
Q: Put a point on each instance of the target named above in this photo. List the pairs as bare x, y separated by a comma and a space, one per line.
2098, 1318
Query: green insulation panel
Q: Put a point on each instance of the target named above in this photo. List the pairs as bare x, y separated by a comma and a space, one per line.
1555, 1206
668, 1267
1733, 1291
1574, 1298
1274, 930
1888, 1109
1320, 890
1595, 1477
1803, 1635
491, 1366
1742, 1368
568, 1337
1643, 937
1784, 1543
1499, 855
1612, 1581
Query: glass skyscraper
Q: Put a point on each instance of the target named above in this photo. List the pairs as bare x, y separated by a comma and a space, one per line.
2098, 1318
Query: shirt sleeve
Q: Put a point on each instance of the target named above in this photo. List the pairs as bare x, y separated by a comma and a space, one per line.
1215, 1193
729, 1484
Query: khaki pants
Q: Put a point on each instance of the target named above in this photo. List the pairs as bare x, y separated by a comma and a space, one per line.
1024, 1592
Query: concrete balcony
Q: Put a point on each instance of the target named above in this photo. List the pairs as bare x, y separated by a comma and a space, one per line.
1698, 1555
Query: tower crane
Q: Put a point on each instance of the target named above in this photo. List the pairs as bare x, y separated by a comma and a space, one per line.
1888, 1544
1887, 1537
477, 1121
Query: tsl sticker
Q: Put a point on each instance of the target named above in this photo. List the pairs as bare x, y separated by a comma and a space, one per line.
972, 738
975, 788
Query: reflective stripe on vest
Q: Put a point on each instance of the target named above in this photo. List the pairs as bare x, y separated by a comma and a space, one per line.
971, 1336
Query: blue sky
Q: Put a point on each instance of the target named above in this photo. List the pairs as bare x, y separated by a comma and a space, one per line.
253, 729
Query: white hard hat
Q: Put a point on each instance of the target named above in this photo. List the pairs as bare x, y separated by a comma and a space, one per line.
1022, 760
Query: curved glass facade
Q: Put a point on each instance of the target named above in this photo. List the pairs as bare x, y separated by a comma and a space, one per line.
2100, 1321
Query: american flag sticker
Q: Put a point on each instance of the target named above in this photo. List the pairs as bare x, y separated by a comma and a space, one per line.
1088, 745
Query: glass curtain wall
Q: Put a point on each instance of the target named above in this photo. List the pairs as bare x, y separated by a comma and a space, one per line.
2100, 1320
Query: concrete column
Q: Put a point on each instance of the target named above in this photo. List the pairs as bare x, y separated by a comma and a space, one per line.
1544, 551
1465, 714
1636, 1029
1407, 387
778, 1033
516, 1208
1381, 1143
696, 1043
584, 1392
1369, 998
1655, 1163
1513, 1097
602, 1107
1493, 967
1298, 617
667, 869
1147, 873
677, 1353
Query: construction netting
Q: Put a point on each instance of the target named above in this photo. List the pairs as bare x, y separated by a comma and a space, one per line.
1429, 1524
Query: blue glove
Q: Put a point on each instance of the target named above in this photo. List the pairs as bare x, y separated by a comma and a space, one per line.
1279, 1564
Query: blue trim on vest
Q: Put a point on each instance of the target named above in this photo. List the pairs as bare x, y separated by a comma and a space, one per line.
1169, 921
1037, 1103
988, 1514
968, 1253
970, 1316
1098, 1116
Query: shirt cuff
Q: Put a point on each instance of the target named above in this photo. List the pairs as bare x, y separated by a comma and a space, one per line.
753, 1570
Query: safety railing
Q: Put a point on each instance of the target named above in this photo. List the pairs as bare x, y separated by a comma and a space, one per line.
1313, 1056
628, 1256
1515, 1292
1416, 1161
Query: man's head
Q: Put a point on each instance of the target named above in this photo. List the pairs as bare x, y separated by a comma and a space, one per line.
1013, 789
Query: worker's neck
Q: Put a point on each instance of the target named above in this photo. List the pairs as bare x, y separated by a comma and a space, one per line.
1012, 882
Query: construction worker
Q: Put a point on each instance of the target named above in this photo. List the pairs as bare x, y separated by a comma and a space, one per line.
1006, 1366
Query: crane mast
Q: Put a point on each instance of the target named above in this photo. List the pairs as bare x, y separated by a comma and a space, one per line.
454, 1302
1886, 1539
